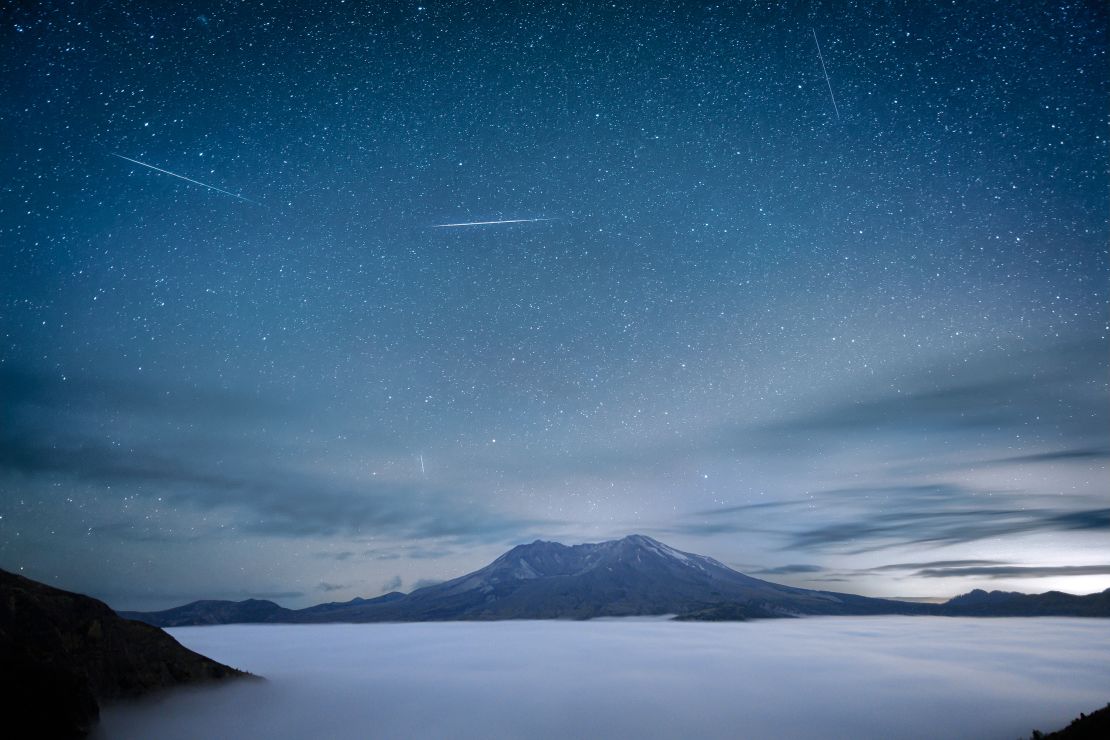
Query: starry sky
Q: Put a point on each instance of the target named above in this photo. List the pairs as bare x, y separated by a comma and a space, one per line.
837, 319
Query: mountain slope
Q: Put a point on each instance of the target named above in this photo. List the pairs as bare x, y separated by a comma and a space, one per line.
633, 576
68, 652
636, 575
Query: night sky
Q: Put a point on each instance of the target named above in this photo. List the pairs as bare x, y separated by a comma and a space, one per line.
844, 332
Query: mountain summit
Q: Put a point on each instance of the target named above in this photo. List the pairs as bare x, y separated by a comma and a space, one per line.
633, 576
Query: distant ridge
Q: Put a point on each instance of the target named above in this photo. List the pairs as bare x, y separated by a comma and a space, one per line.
979, 603
633, 576
250, 611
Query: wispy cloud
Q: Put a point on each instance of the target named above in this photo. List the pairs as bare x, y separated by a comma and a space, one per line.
1023, 392
1073, 454
784, 570
42, 439
409, 552
1016, 571
425, 582
869, 518
932, 527
935, 564
339, 556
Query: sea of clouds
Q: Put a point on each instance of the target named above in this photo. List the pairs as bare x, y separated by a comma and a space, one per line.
828, 677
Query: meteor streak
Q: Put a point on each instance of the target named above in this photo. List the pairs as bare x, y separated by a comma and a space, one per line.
487, 223
186, 179
826, 73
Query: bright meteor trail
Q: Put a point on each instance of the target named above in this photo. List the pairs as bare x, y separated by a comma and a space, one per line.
186, 179
826, 73
487, 223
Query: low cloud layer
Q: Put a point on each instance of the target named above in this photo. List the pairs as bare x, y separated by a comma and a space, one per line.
911, 678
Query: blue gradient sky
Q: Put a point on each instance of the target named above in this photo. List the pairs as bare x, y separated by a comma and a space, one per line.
864, 352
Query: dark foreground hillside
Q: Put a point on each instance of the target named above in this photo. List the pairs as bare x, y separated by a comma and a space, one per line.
1093, 726
62, 654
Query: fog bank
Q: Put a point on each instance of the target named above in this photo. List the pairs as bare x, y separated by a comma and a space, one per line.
893, 677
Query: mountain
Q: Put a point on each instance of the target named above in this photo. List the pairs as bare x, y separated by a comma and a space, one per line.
62, 654
979, 603
633, 576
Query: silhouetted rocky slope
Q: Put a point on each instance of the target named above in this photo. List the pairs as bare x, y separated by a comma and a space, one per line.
62, 653
1093, 726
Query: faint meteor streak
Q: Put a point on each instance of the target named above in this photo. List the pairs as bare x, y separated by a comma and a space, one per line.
422, 471
487, 223
186, 179
822, 58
